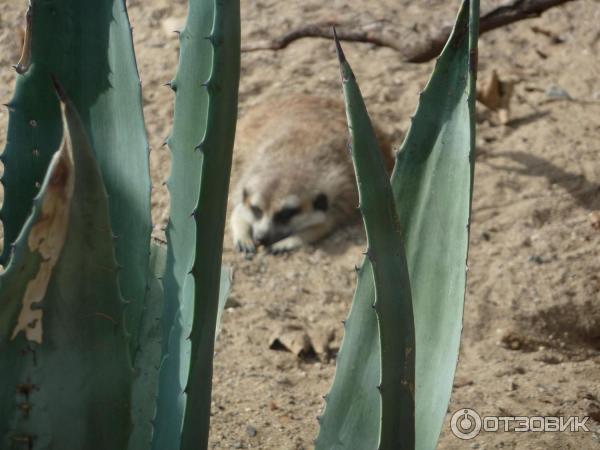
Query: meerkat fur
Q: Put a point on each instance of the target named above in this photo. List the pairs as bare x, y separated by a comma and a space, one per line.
293, 176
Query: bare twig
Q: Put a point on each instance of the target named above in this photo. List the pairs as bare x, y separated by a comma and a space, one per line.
425, 50
320, 30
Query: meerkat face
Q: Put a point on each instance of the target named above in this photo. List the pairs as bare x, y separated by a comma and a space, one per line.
276, 218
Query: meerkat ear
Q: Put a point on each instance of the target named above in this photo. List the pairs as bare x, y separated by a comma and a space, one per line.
321, 203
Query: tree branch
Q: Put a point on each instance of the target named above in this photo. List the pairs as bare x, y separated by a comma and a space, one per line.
424, 51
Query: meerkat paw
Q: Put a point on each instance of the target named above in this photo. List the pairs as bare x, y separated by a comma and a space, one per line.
242, 234
286, 245
245, 246
303, 237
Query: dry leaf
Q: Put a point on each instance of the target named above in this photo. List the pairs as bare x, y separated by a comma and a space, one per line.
292, 338
321, 340
495, 94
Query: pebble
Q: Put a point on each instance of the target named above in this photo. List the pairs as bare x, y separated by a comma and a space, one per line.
251, 431
536, 259
556, 92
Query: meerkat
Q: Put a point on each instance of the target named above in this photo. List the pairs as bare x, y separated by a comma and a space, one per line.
294, 180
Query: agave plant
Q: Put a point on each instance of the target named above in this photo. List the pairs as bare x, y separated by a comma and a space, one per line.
106, 338
86, 315
395, 369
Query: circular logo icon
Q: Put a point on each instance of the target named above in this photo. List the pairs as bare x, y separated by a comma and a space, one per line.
465, 424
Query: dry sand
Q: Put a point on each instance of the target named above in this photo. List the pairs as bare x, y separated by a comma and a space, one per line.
531, 342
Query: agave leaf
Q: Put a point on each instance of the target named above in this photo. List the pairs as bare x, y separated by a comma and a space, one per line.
65, 358
201, 142
432, 184
394, 424
92, 55
145, 384
149, 355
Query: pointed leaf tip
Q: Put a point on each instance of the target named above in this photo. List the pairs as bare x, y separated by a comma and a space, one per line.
338, 47
24, 62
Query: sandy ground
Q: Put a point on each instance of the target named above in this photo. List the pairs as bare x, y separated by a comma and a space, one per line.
531, 342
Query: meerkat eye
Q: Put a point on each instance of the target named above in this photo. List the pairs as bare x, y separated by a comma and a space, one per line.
285, 215
321, 203
256, 211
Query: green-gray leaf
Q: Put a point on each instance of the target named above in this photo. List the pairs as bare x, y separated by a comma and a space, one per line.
393, 302
201, 143
147, 362
432, 185
91, 53
66, 372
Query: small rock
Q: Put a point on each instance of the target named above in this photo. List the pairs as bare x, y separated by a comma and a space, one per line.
550, 359
536, 259
251, 431
557, 93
